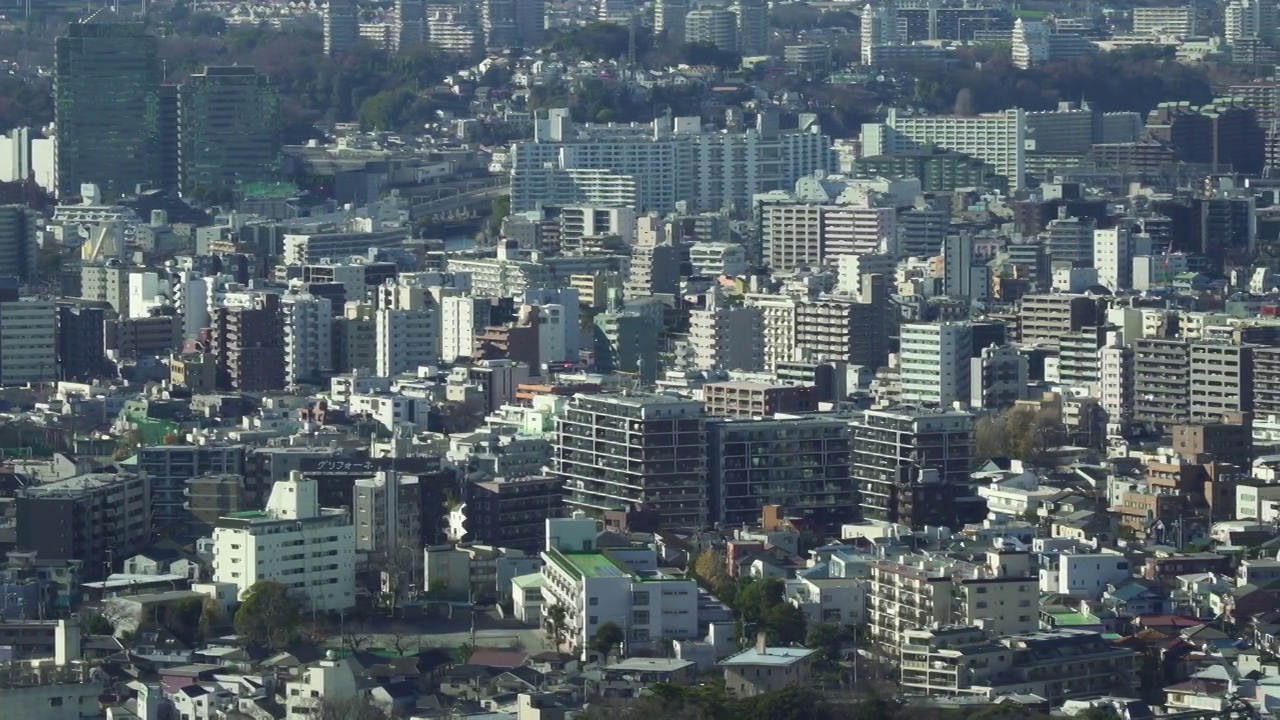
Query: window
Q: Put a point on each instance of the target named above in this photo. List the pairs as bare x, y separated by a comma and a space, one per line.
640, 598
593, 601
640, 617
55, 702
594, 620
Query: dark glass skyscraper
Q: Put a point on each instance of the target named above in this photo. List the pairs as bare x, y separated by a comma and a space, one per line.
229, 130
106, 100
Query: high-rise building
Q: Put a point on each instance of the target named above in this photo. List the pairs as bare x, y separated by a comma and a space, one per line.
81, 341
1224, 134
107, 108
498, 19
753, 26
935, 362
712, 26
727, 337
341, 26
308, 337
410, 28
531, 22
248, 343
18, 246
89, 518
879, 28
1245, 20
28, 331
798, 463
669, 17
229, 130
665, 440
408, 328
912, 464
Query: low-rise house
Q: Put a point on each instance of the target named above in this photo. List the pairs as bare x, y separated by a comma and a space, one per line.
763, 669
626, 678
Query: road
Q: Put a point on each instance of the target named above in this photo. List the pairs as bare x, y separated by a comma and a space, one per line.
459, 201
443, 632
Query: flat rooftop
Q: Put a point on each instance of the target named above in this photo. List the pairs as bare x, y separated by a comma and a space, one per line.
641, 664
779, 656
592, 565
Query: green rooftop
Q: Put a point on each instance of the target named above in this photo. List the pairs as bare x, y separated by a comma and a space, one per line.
589, 564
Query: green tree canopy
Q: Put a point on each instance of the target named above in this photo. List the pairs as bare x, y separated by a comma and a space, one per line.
608, 638
268, 616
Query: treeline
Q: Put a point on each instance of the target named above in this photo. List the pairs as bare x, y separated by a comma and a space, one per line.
709, 701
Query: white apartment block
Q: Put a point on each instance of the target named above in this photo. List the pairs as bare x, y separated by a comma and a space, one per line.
295, 542
460, 319
617, 585
779, 322
1175, 21
663, 162
934, 362
997, 138
1113, 253
308, 336
1082, 575
1244, 19
727, 337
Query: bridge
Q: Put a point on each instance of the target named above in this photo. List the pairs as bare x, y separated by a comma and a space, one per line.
458, 204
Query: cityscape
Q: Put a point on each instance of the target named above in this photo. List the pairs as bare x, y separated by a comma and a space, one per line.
636, 359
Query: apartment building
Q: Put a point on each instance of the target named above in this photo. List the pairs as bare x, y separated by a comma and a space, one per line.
1046, 318
668, 160
169, 467
248, 343
727, 337
911, 464
615, 452
934, 361
799, 235
996, 138
95, 518
1221, 379
1058, 665
852, 330
754, 399
1163, 21
28, 339
508, 512
779, 333
615, 585
1266, 381
918, 591
797, 463
293, 541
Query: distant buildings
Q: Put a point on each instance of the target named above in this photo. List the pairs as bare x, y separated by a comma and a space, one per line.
229, 120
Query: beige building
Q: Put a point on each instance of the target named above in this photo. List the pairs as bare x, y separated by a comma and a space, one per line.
764, 669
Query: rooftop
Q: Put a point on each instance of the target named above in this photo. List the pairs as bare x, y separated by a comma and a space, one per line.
589, 564
643, 664
780, 656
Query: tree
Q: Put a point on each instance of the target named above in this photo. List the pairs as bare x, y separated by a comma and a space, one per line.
710, 568
93, 623
828, 638
182, 619
462, 653
608, 637
1019, 433
268, 616
360, 707
557, 623
211, 618
784, 624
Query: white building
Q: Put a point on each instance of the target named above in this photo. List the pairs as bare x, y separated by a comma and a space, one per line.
1081, 575
560, 335
460, 319
879, 28
962, 277
28, 347
331, 680
308, 336
727, 337
1246, 19
616, 585
1030, 43
294, 542
652, 166
779, 326
714, 26
1113, 253
1158, 21
935, 362
997, 138
998, 377
407, 326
